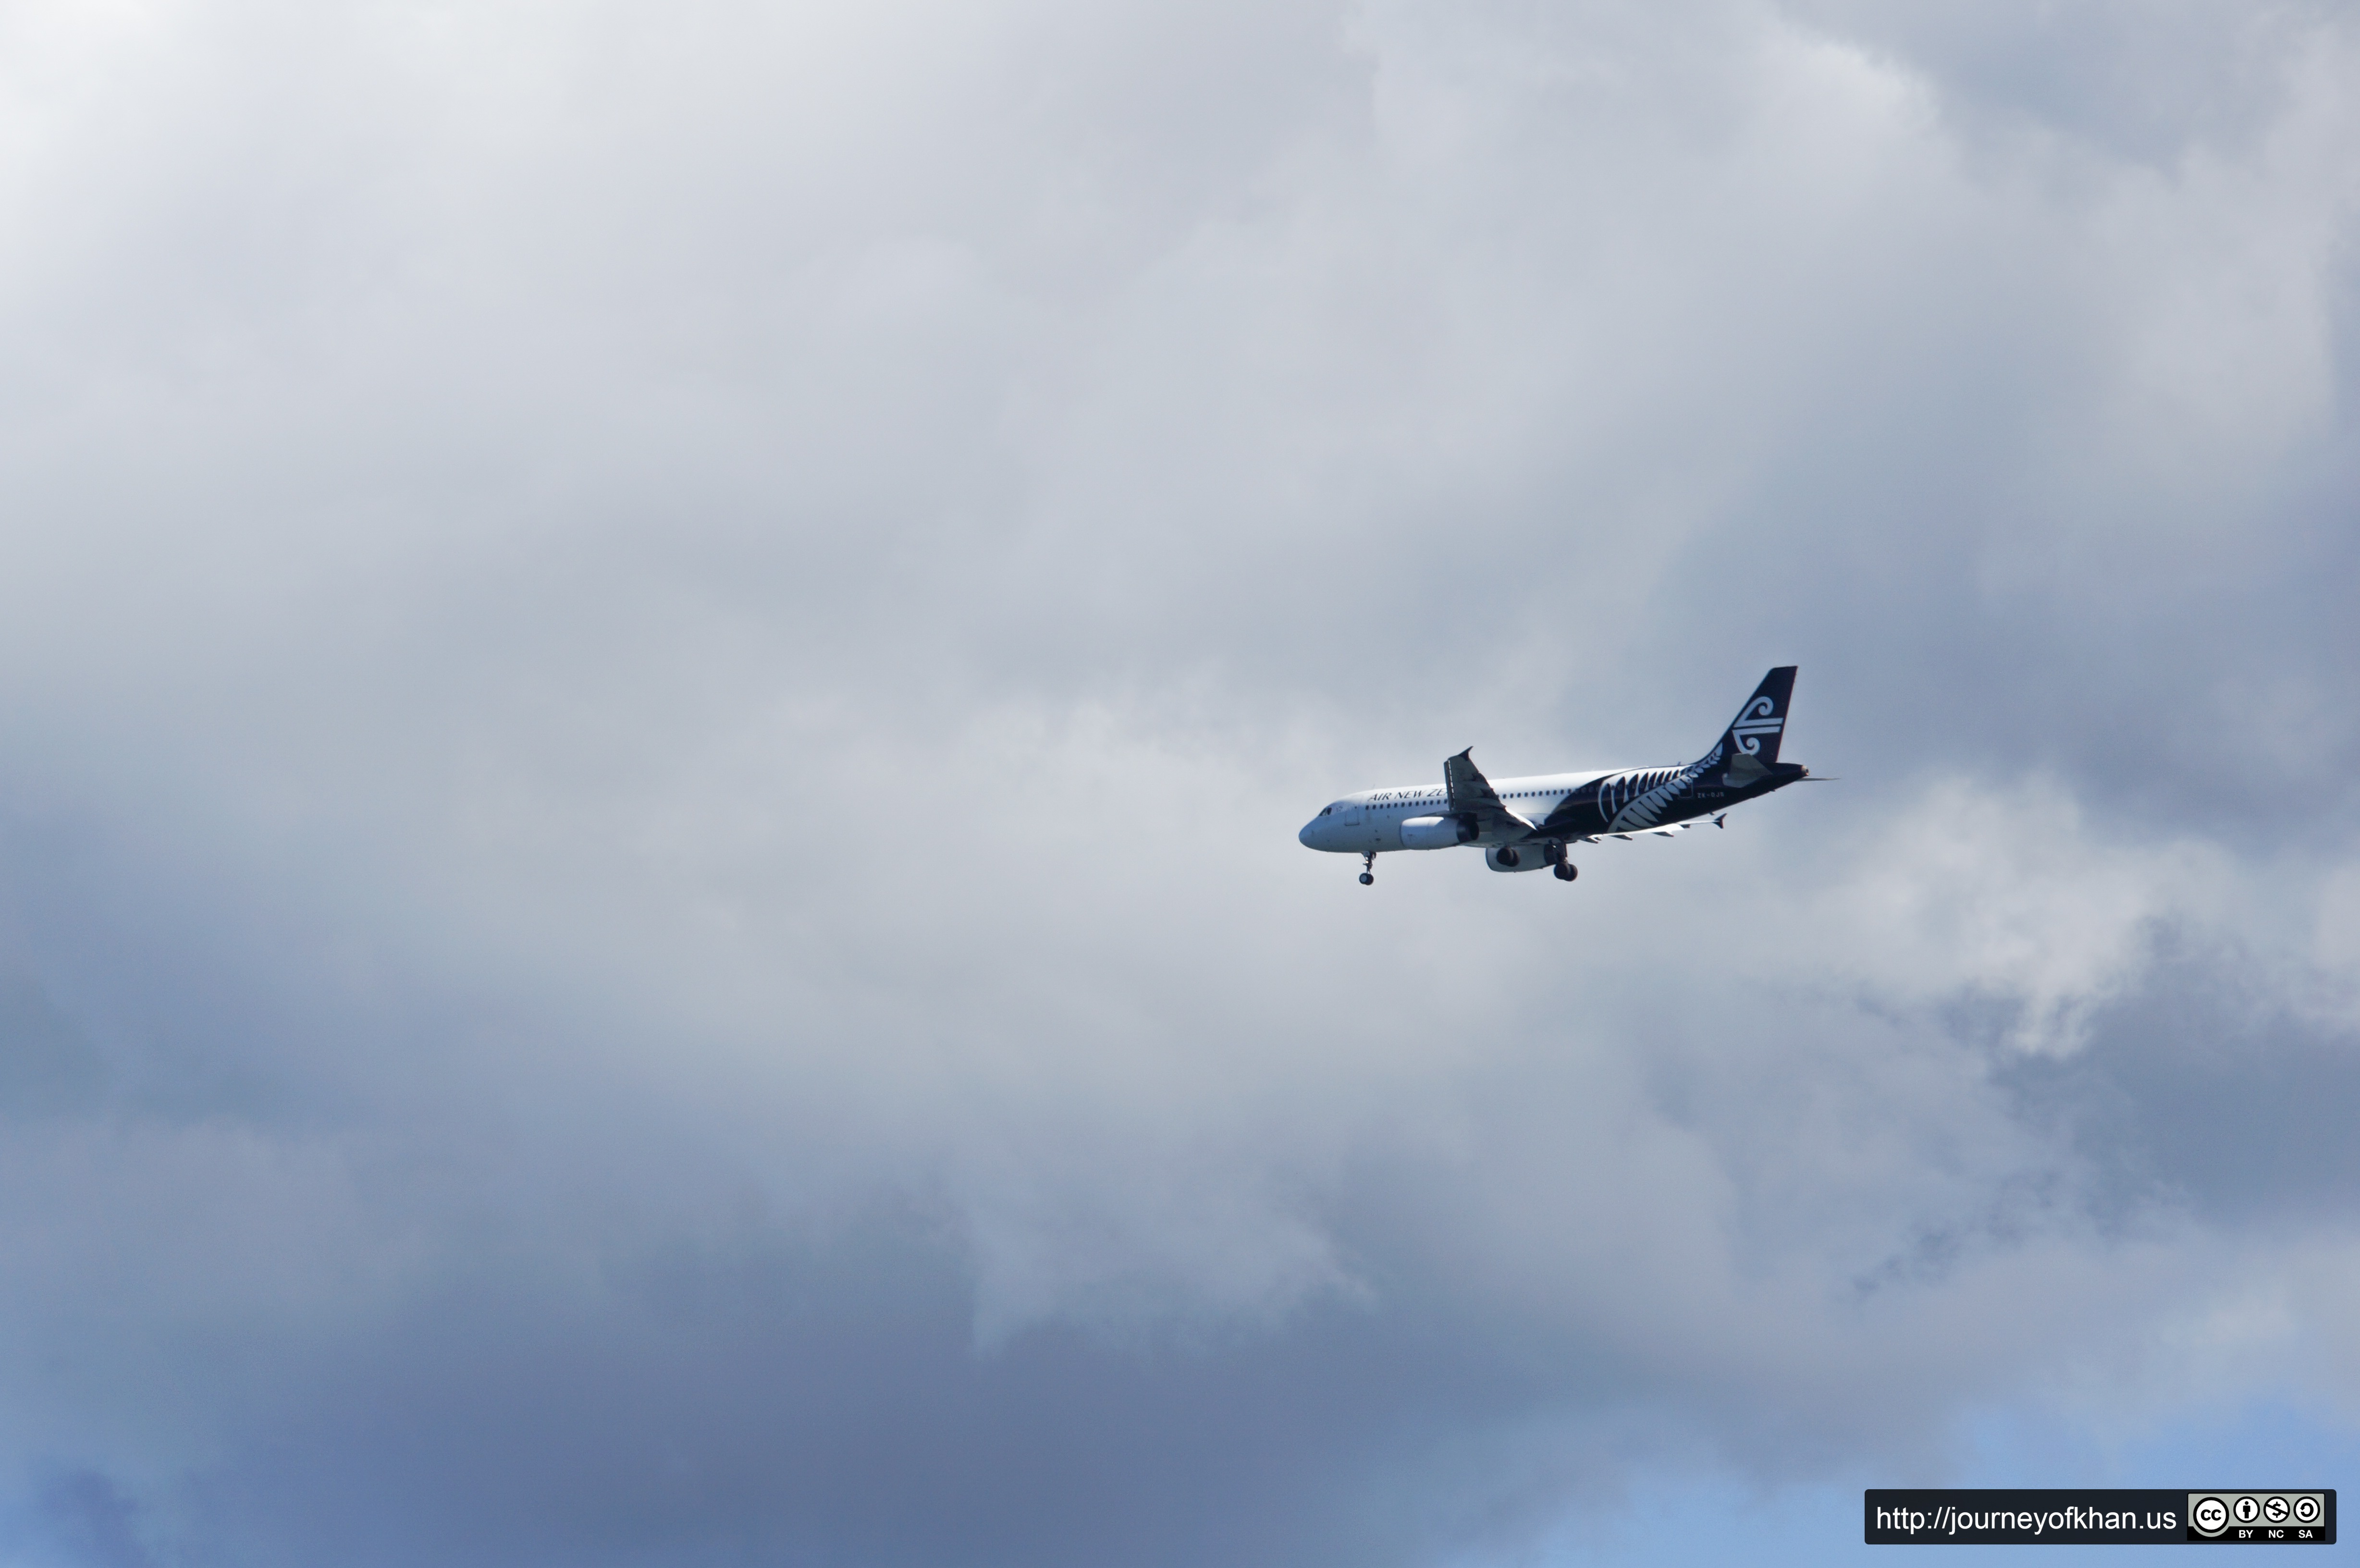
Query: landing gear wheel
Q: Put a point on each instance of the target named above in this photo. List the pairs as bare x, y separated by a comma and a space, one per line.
1567, 872
1368, 867
1367, 878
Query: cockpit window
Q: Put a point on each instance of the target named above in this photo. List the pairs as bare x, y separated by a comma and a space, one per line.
1324, 809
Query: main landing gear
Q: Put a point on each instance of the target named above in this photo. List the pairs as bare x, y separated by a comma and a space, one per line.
1368, 867
1565, 869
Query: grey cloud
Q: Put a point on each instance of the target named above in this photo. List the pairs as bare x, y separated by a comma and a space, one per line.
46, 1065
2209, 1088
766, 1402
2151, 83
656, 677
78, 1516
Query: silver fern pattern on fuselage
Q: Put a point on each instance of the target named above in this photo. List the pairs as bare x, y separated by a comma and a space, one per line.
1638, 799
1633, 800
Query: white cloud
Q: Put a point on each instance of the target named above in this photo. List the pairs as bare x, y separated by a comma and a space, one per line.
1971, 893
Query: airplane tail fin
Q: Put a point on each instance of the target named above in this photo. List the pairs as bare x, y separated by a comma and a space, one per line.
1750, 745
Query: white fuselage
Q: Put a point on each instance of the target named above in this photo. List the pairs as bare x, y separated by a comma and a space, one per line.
1530, 824
1372, 819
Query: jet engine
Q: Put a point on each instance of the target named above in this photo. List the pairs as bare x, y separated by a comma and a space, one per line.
1524, 857
1436, 832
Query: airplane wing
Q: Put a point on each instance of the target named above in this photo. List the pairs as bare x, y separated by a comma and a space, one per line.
1669, 830
1471, 794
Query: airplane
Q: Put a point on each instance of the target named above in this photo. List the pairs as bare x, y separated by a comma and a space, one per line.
1523, 824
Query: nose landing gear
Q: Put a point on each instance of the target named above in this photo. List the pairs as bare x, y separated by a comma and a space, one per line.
1368, 867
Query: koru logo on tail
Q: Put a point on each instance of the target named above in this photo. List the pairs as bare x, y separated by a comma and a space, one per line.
1759, 718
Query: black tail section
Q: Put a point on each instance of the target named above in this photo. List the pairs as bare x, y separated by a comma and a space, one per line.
1750, 745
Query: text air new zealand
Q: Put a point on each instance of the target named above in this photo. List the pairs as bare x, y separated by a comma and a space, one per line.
1523, 824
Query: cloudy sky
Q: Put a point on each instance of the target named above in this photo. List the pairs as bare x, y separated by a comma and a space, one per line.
658, 665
